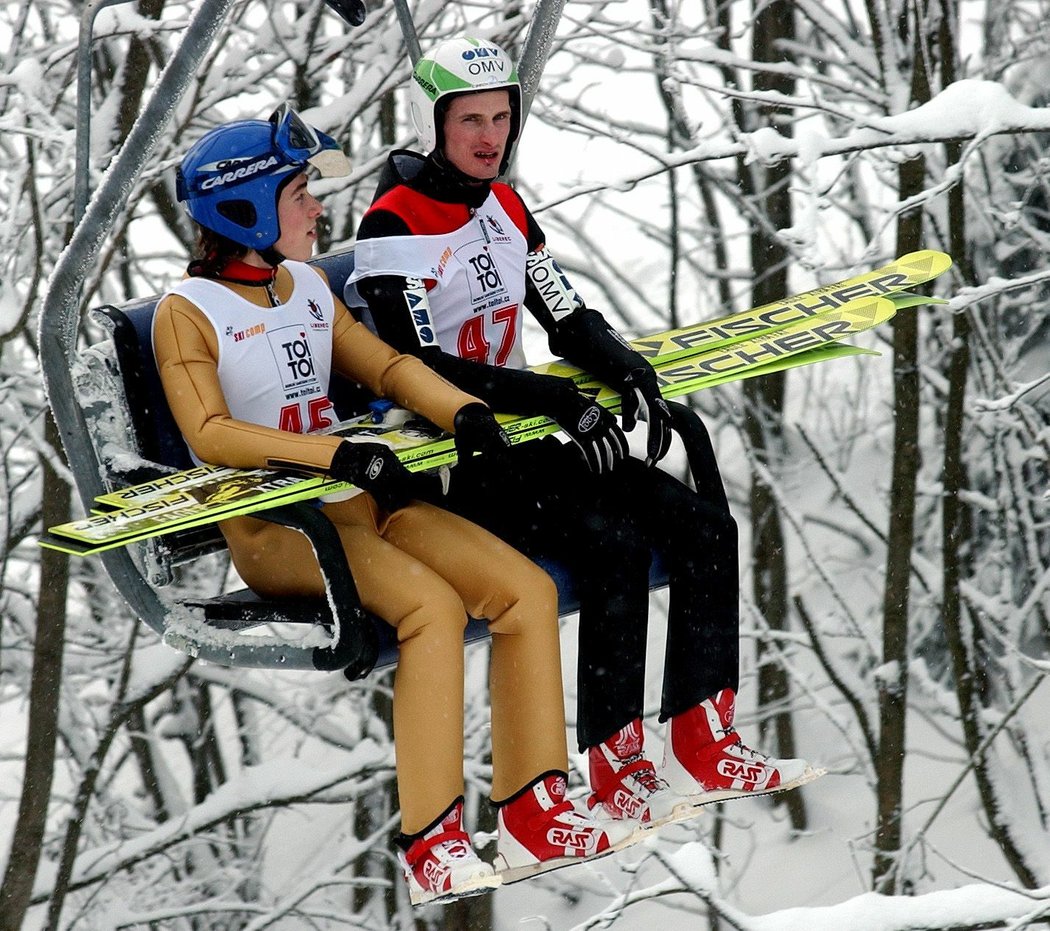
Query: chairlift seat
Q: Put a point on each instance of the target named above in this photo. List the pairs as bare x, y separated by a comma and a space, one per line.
157, 440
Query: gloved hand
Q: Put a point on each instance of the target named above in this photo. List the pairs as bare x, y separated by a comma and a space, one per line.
478, 431
642, 401
375, 468
592, 428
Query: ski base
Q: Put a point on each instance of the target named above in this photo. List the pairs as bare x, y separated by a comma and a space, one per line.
693, 804
473, 887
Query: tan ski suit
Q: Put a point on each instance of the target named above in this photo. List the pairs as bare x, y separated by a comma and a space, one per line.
420, 568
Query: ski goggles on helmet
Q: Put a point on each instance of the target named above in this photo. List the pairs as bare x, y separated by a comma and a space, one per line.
300, 143
293, 138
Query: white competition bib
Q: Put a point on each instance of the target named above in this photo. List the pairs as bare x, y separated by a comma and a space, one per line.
479, 273
274, 362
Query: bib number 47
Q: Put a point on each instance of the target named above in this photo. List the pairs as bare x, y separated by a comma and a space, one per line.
480, 332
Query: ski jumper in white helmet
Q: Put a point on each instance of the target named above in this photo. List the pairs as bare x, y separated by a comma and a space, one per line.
459, 66
418, 271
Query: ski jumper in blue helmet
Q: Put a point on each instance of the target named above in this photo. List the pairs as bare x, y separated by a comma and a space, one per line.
447, 240
222, 340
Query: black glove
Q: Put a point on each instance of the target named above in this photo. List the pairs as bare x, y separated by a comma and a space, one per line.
375, 468
642, 401
478, 431
592, 428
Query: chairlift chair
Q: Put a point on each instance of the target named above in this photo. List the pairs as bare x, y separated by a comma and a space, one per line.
117, 430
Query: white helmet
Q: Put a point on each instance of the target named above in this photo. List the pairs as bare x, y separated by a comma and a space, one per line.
460, 66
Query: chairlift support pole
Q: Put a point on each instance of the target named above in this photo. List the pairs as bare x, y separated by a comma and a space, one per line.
82, 179
61, 311
537, 49
408, 30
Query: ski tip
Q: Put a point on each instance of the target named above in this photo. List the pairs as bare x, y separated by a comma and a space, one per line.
930, 262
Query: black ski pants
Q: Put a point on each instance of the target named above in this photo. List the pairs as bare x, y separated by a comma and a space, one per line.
541, 498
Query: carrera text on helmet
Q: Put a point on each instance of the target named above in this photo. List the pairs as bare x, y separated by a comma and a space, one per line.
245, 172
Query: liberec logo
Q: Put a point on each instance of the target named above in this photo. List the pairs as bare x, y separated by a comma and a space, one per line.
499, 234
315, 309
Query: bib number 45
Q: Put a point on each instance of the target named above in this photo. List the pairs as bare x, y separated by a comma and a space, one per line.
318, 413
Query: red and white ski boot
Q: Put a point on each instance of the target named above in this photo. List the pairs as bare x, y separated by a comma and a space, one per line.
625, 785
540, 830
440, 864
705, 758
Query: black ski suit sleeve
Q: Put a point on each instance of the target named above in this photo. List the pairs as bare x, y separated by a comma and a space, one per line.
584, 337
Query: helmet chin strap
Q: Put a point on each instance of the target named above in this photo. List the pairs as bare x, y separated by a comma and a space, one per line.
457, 184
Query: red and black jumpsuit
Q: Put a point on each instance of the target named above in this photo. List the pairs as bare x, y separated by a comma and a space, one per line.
428, 228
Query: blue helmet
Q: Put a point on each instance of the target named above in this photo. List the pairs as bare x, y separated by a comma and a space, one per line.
231, 177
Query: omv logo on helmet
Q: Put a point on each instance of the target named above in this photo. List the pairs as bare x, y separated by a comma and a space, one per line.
485, 60
482, 51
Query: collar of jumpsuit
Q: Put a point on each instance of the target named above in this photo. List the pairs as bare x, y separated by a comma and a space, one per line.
242, 273
444, 182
